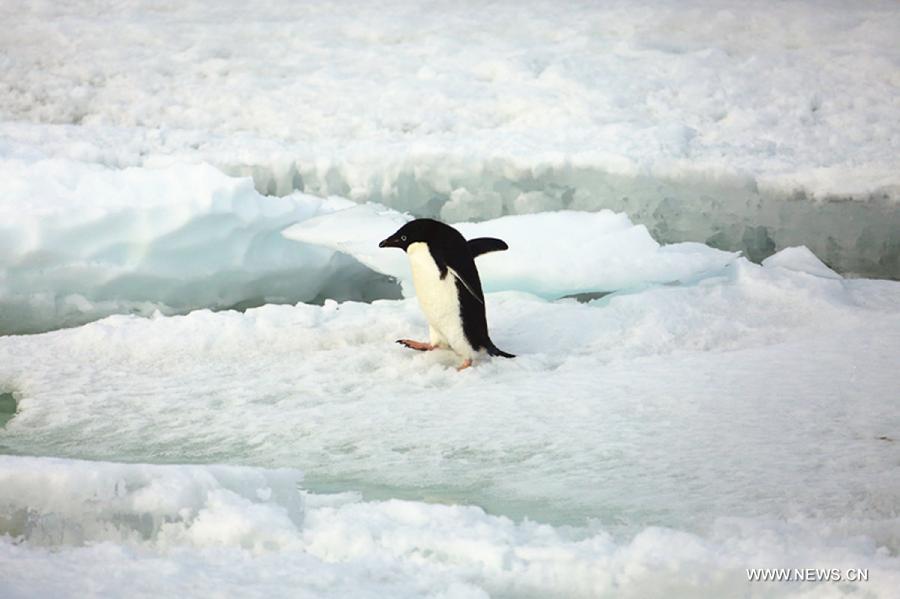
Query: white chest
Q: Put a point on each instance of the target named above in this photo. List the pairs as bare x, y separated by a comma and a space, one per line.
437, 297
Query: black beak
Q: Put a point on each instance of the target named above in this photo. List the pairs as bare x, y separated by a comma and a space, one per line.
388, 243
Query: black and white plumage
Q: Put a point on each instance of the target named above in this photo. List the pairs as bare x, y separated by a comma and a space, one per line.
447, 286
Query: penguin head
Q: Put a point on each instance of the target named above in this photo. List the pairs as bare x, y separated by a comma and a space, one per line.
419, 230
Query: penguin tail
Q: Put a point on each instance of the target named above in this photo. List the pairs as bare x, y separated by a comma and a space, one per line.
493, 350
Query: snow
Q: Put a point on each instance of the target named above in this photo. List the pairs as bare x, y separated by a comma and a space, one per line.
744, 125
764, 361
81, 241
52, 501
758, 431
784, 94
551, 254
178, 176
150, 536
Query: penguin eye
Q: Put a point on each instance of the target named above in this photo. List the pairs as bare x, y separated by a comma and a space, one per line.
403, 238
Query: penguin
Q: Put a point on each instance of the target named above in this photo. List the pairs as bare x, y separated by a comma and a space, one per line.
448, 287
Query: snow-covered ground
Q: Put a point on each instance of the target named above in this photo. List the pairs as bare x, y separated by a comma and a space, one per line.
747, 125
676, 413
664, 440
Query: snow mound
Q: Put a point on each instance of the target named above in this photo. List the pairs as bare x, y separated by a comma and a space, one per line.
80, 241
800, 259
551, 254
93, 527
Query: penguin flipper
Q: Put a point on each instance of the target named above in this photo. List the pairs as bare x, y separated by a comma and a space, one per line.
483, 245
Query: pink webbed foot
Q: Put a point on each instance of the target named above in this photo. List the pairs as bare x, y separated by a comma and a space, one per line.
417, 345
464, 365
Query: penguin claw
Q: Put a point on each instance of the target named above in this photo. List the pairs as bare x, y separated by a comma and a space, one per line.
416, 345
464, 365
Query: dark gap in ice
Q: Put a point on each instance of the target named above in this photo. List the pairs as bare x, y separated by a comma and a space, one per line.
372, 288
248, 304
8, 408
583, 298
855, 235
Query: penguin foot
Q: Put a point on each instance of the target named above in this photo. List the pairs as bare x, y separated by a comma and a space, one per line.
464, 365
417, 345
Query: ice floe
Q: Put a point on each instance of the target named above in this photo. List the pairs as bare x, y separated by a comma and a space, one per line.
551, 254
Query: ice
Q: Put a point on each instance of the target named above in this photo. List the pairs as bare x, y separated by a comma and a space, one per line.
765, 361
745, 126
551, 254
81, 241
100, 529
